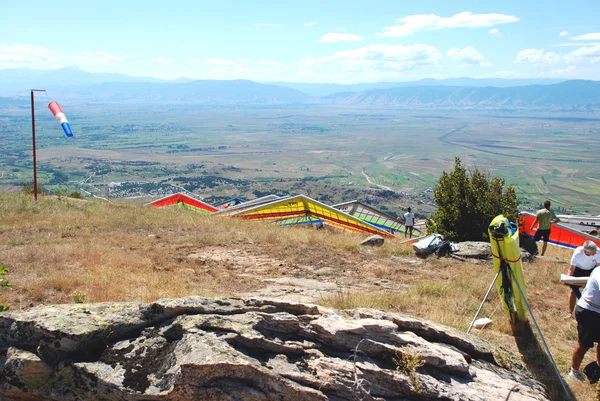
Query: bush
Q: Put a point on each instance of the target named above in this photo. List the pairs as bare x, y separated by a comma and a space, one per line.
27, 188
4, 284
467, 202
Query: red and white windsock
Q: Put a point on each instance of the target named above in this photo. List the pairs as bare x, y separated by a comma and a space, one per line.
60, 116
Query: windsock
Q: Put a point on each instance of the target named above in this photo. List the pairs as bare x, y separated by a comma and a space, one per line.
60, 116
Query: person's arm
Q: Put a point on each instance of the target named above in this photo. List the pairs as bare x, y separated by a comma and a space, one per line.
571, 270
534, 223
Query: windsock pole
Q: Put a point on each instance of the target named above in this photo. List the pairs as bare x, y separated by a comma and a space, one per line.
35, 187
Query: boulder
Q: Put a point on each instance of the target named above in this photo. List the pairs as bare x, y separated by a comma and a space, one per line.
250, 349
526, 256
373, 240
474, 249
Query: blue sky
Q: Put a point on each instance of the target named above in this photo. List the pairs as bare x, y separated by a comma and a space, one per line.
306, 41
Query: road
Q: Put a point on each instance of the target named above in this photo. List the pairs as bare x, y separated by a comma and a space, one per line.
374, 183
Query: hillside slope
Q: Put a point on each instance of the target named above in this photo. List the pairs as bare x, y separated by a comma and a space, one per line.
578, 94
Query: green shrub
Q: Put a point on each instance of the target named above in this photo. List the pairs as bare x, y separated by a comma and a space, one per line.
467, 202
4, 284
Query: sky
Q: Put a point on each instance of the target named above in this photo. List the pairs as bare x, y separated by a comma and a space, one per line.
306, 41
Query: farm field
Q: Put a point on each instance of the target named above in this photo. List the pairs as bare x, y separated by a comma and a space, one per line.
224, 152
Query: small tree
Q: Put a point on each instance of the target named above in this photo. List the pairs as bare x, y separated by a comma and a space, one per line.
4, 284
467, 203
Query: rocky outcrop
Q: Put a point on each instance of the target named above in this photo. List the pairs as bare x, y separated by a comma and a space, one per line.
475, 250
246, 349
373, 240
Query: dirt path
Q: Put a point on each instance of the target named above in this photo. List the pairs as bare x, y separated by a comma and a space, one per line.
374, 183
298, 282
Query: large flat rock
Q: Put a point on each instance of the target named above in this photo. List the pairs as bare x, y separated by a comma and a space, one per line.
247, 349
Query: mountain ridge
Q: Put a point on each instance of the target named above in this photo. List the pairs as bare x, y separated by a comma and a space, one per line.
565, 95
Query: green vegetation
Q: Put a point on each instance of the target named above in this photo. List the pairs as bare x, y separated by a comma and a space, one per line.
408, 361
231, 152
467, 203
4, 284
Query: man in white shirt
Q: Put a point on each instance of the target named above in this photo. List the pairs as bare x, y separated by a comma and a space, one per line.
583, 262
409, 223
587, 314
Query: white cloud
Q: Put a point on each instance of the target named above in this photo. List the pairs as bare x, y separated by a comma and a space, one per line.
423, 22
495, 32
561, 72
586, 54
241, 68
194, 60
388, 57
576, 44
98, 58
311, 24
563, 34
587, 36
340, 37
162, 60
468, 57
537, 57
25, 54
373, 63
218, 61
267, 25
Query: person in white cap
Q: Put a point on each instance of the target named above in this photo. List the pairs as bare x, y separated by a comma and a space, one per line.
587, 314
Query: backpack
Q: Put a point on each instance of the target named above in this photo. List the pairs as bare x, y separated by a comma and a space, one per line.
528, 243
592, 371
444, 248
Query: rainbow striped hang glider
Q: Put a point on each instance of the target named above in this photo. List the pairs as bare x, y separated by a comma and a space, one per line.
560, 234
183, 200
247, 205
229, 203
302, 209
374, 217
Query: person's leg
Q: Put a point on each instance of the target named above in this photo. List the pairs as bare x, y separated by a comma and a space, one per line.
410, 230
578, 355
544, 247
572, 300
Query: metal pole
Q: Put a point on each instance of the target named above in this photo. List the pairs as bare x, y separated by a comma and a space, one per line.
483, 301
33, 141
35, 186
562, 382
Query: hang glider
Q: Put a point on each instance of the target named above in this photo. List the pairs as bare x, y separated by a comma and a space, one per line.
247, 205
183, 200
567, 236
374, 217
229, 203
302, 209
509, 267
581, 220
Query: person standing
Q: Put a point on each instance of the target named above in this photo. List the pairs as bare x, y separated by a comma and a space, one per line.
409, 223
583, 262
544, 219
587, 314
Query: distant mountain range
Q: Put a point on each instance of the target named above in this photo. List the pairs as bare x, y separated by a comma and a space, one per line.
576, 94
75, 85
320, 90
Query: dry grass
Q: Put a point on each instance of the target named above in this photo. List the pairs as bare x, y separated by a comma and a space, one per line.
62, 250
